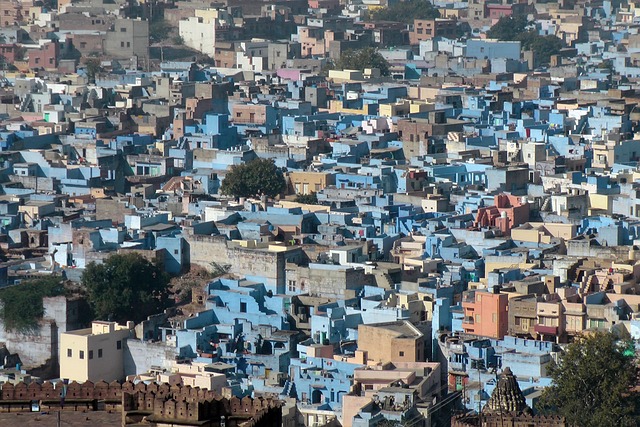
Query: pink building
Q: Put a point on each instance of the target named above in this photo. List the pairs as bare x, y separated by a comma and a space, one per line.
507, 212
485, 313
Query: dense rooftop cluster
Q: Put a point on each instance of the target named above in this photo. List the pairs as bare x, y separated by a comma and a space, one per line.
370, 210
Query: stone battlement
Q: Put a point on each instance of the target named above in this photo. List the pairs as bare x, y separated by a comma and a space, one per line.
155, 403
507, 420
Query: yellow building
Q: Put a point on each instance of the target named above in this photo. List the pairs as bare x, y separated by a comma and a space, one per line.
543, 232
304, 182
95, 353
404, 107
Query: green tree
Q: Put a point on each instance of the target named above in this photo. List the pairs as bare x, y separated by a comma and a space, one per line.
361, 59
543, 47
514, 28
159, 31
260, 177
308, 199
508, 28
22, 306
126, 287
405, 11
592, 384
93, 67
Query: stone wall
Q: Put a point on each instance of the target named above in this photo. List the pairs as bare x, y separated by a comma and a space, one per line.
192, 406
204, 249
40, 346
140, 356
154, 402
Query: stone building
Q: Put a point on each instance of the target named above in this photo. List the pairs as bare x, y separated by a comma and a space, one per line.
507, 406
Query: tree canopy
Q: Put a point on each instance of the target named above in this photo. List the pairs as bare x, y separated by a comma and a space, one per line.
309, 199
508, 28
361, 59
405, 11
515, 28
126, 287
159, 30
22, 307
592, 384
93, 67
254, 179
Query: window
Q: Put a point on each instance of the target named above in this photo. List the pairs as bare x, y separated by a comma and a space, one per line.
90, 354
128, 44
243, 307
292, 285
494, 317
99, 353
81, 354
401, 353
121, 44
175, 252
119, 345
123, 30
69, 352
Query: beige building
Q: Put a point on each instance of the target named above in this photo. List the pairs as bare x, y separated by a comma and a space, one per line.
95, 353
303, 182
398, 341
195, 374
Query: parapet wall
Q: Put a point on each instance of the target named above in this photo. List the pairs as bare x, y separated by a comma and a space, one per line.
507, 420
159, 402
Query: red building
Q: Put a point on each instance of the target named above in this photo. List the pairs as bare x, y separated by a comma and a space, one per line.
46, 56
507, 212
497, 11
8, 52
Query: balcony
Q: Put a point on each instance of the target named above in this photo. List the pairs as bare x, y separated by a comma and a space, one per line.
546, 330
467, 320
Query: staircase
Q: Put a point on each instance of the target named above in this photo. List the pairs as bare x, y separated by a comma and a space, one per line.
385, 281
289, 389
585, 287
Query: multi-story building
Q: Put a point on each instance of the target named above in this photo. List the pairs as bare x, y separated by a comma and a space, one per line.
485, 313
95, 353
427, 29
399, 341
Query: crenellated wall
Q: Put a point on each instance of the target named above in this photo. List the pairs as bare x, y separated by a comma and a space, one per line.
153, 402
508, 420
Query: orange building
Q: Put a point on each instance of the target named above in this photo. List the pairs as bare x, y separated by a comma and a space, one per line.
485, 313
